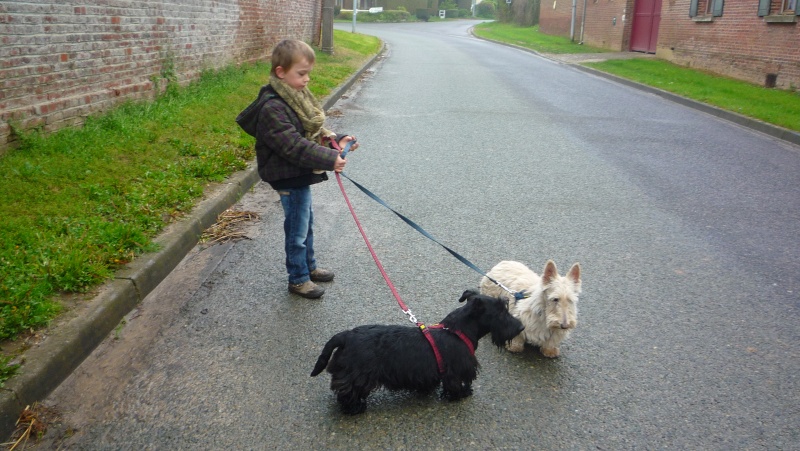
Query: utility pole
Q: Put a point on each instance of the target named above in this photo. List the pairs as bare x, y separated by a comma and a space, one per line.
327, 26
572, 22
583, 21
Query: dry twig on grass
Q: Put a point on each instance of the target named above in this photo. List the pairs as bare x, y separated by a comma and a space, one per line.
228, 227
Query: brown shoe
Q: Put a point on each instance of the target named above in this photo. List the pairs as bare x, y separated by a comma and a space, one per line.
308, 290
321, 275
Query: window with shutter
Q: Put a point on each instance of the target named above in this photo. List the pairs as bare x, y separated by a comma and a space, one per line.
779, 11
705, 10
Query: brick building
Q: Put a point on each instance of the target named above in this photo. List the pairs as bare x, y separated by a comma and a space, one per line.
754, 40
605, 23
62, 61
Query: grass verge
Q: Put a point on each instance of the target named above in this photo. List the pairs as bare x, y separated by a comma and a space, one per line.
80, 203
773, 106
531, 38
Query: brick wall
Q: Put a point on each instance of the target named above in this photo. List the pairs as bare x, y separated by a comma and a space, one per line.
607, 23
62, 61
738, 44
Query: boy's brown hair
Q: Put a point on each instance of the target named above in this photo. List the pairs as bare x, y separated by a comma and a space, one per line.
290, 51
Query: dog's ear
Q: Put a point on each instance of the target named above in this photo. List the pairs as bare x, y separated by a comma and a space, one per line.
468, 294
574, 275
550, 272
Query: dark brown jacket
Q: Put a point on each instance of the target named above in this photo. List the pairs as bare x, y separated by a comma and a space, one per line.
286, 159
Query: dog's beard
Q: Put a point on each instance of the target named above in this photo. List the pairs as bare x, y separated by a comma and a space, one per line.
557, 320
499, 341
503, 334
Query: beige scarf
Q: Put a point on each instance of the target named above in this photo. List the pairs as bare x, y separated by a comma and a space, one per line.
306, 106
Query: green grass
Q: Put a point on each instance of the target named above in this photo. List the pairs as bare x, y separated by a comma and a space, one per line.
774, 106
530, 38
352, 50
80, 203
7, 369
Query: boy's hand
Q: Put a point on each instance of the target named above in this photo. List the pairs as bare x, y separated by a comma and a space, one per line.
339, 165
347, 139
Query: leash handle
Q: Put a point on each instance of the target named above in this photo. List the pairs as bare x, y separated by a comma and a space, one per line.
347, 147
343, 152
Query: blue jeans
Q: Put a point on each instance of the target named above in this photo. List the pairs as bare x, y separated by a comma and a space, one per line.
298, 226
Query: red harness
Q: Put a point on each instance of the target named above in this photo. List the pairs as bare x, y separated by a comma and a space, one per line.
426, 331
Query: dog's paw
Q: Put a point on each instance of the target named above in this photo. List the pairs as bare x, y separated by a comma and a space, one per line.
550, 352
354, 408
457, 395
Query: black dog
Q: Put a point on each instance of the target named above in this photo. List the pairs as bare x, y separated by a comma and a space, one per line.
402, 358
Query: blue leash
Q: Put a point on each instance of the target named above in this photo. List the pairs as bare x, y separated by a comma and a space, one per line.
347, 148
517, 294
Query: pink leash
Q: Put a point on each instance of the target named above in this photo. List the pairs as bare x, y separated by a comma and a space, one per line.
425, 330
403, 306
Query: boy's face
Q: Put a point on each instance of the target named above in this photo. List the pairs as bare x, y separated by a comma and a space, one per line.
298, 75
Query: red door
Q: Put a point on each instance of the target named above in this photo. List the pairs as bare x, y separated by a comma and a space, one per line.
646, 17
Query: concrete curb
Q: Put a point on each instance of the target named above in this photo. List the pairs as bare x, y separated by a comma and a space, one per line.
754, 124
69, 342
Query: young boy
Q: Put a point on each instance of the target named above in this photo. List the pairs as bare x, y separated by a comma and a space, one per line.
291, 157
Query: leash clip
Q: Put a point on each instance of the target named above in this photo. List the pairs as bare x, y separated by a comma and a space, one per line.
517, 295
410, 316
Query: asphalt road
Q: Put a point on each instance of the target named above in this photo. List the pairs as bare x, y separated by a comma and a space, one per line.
687, 229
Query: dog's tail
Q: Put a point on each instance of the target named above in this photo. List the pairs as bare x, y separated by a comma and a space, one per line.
337, 341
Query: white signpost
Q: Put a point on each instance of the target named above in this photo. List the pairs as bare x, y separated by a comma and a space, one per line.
355, 12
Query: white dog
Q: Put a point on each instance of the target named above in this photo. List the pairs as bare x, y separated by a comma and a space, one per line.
549, 311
